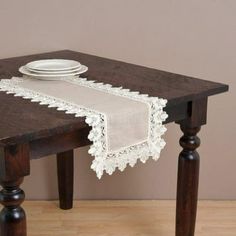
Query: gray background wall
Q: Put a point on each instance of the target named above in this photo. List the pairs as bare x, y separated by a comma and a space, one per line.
192, 37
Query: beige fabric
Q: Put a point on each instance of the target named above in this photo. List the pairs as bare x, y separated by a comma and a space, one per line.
125, 117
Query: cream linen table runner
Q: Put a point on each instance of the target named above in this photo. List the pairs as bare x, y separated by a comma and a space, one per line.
126, 126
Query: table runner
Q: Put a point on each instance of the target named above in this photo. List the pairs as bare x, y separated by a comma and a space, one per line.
126, 125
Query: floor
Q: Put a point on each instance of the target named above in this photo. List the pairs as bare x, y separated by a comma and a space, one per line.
126, 218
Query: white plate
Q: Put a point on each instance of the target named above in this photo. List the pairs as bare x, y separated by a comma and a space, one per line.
24, 71
53, 72
53, 65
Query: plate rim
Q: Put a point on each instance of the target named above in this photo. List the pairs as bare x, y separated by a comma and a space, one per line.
53, 72
29, 64
24, 71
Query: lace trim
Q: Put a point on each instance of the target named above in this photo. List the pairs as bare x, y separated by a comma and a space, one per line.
104, 160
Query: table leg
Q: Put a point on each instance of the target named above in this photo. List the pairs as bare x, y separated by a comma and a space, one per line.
14, 165
187, 186
188, 168
65, 173
12, 216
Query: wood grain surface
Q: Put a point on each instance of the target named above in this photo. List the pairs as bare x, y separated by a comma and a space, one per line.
23, 121
126, 218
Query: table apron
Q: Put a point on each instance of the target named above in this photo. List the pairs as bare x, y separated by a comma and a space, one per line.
59, 143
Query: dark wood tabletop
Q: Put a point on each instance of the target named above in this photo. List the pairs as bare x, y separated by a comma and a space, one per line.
22, 120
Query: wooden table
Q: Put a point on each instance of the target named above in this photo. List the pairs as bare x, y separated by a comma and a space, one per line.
28, 130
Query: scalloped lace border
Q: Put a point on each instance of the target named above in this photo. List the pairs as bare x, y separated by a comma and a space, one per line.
103, 160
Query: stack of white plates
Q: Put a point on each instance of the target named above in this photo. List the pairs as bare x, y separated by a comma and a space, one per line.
53, 69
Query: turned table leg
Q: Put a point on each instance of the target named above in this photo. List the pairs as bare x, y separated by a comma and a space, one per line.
188, 173
188, 169
65, 173
14, 165
12, 216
